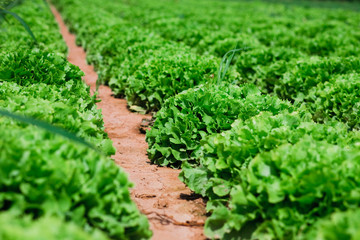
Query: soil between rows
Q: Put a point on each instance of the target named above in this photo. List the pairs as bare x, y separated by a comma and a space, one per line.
172, 210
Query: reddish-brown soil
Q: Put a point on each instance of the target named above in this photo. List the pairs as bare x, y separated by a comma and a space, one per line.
158, 192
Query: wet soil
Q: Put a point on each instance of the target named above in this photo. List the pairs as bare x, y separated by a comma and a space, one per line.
173, 212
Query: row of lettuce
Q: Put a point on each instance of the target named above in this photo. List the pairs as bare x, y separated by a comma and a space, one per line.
263, 163
273, 146
51, 187
138, 60
298, 54
135, 62
216, 27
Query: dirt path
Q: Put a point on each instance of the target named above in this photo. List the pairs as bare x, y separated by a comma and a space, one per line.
158, 192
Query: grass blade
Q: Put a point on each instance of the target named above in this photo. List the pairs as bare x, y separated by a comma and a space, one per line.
227, 61
23, 23
48, 127
12, 4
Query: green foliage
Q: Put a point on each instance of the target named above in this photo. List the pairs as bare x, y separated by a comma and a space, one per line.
218, 43
58, 177
292, 48
40, 20
327, 85
190, 116
44, 178
267, 64
134, 61
130, 60
28, 67
226, 156
337, 99
46, 175
339, 225
202, 25
266, 165
46, 126
4, 12
287, 189
5, 3
166, 73
307, 73
46, 87
45, 228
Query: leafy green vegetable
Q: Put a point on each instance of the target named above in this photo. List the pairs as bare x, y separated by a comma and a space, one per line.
46, 179
339, 225
29, 67
166, 73
67, 104
3, 12
45, 228
38, 17
337, 99
46, 126
190, 116
46, 175
134, 61
264, 164
225, 157
308, 73
287, 189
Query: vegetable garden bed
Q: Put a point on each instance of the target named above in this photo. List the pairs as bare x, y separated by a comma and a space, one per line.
269, 138
50, 186
158, 192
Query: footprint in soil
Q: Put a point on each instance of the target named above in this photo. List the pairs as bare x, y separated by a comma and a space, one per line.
161, 204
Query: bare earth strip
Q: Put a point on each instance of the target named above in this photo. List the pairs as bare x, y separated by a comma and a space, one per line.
158, 192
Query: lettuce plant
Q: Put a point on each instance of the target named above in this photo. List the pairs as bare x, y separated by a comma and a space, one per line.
287, 189
187, 118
